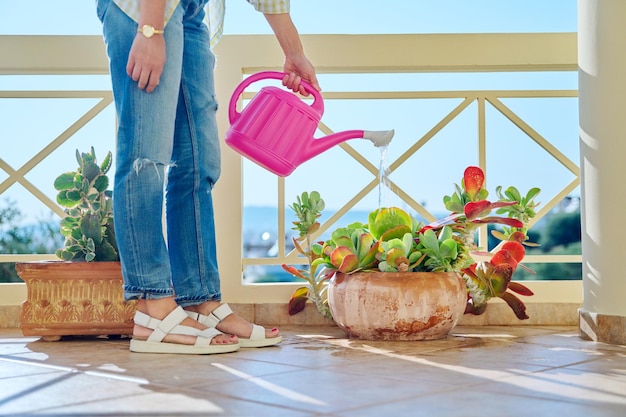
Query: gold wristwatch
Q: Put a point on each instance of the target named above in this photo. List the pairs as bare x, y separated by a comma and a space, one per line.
148, 31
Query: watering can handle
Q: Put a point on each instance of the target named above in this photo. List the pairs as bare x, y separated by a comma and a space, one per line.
317, 104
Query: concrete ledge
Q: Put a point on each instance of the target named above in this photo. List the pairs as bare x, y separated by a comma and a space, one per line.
540, 314
602, 328
497, 314
9, 317
278, 315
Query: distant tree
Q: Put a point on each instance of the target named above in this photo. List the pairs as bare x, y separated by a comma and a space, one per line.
562, 229
42, 237
12, 240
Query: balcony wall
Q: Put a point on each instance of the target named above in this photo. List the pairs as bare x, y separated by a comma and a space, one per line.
555, 302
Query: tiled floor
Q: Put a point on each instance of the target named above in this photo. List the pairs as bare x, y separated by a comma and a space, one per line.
476, 371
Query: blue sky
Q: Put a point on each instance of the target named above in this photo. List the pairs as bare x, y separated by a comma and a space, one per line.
325, 16
77, 17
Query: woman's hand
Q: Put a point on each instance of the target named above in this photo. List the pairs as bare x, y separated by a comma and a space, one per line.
296, 70
146, 61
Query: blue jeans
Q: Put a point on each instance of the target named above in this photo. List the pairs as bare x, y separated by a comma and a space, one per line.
170, 134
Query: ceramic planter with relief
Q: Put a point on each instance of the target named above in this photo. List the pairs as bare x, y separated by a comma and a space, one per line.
397, 305
74, 298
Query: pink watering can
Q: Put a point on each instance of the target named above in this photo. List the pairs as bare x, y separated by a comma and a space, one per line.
276, 128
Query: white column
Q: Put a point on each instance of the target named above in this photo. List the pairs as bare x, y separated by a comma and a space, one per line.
602, 89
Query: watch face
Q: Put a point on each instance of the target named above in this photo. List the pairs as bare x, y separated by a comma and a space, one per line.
148, 31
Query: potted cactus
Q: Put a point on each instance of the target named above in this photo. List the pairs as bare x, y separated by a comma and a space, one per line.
88, 222
81, 294
395, 278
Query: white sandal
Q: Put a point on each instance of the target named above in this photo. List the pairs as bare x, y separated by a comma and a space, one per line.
257, 337
171, 325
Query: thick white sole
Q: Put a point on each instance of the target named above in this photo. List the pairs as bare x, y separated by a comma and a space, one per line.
257, 343
143, 346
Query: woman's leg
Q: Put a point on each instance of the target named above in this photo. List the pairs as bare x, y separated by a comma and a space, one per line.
144, 149
195, 169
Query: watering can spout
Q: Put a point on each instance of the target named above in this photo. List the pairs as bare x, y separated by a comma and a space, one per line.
380, 137
317, 146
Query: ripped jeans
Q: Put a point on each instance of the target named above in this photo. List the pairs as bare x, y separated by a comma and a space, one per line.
167, 148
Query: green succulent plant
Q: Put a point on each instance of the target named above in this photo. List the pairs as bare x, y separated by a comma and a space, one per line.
394, 241
349, 249
308, 208
399, 255
88, 222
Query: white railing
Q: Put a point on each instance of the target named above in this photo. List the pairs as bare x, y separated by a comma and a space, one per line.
341, 54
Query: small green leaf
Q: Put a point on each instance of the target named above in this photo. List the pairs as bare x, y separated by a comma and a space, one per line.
448, 249
91, 228
64, 181
513, 194
532, 193
76, 233
429, 240
101, 183
106, 163
91, 170
66, 255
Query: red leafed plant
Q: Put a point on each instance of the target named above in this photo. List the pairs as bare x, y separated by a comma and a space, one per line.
492, 278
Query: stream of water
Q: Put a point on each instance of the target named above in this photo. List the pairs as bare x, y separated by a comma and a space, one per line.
384, 186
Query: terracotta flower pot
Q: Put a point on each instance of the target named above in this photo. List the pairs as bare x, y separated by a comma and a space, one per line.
397, 305
74, 298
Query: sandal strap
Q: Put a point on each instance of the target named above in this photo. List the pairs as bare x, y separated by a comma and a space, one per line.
258, 332
172, 320
144, 320
214, 318
171, 325
205, 336
222, 312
